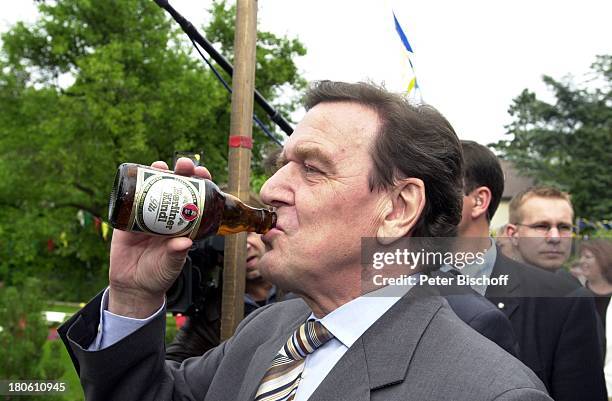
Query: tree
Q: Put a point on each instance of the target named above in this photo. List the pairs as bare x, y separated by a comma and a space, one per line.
273, 72
86, 87
568, 143
23, 334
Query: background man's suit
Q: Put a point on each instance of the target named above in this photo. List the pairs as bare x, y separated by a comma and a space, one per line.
479, 313
418, 350
549, 316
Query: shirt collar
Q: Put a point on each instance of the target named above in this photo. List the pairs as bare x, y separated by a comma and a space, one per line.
478, 269
483, 269
348, 322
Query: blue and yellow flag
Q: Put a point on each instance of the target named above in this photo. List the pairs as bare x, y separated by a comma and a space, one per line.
412, 86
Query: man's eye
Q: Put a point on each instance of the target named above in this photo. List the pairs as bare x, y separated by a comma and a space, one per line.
564, 227
541, 227
308, 169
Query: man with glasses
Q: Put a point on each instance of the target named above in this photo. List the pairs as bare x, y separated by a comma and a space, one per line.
554, 321
541, 227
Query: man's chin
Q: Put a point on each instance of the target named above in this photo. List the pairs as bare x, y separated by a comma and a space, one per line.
251, 276
551, 265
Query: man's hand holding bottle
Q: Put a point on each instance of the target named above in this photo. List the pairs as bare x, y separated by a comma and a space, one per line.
143, 267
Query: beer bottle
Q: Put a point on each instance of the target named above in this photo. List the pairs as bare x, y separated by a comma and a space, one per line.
158, 202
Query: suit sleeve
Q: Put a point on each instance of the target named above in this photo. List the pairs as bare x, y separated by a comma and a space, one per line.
484, 317
578, 366
522, 394
495, 326
134, 368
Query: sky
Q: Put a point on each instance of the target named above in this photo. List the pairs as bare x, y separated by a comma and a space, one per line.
471, 57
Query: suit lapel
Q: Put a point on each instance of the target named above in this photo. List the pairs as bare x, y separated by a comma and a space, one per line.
348, 380
505, 297
390, 343
265, 353
382, 355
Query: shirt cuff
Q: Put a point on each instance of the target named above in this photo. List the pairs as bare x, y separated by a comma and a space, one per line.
113, 328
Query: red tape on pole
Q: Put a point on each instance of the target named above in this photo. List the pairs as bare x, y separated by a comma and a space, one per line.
239, 141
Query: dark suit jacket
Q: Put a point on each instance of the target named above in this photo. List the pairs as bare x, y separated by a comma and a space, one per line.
556, 326
479, 313
418, 350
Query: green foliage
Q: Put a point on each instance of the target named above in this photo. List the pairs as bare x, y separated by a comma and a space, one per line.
51, 367
568, 143
274, 74
55, 352
602, 233
171, 330
23, 334
91, 85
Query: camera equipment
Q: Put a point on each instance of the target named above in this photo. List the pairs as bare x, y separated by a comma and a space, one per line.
200, 278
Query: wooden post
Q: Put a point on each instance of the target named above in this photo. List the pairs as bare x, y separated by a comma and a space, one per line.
241, 131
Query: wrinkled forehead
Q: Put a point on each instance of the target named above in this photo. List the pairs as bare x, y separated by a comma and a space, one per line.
335, 127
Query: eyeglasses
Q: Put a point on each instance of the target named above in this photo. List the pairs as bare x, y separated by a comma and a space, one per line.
544, 228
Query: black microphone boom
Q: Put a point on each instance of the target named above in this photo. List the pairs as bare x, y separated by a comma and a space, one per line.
193, 33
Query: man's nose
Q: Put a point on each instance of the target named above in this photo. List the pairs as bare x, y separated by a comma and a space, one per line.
553, 235
277, 190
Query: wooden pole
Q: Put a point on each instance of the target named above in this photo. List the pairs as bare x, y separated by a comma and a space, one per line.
240, 139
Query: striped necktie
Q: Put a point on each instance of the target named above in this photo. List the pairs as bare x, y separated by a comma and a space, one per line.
282, 378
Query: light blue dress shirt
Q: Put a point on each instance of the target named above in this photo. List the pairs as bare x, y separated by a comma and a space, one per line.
479, 270
347, 323
113, 328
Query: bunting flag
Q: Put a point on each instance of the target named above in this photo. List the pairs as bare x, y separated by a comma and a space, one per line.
63, 239
105, 230
81, 218
582, 224
88, 220
412, 85
97, 224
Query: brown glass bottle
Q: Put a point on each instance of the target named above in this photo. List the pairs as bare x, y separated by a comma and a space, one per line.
158, 202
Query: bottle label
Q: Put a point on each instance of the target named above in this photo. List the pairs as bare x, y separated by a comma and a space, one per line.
167, 204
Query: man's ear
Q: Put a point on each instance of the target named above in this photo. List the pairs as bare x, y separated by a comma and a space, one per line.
511, 232
405, 205
482, 199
